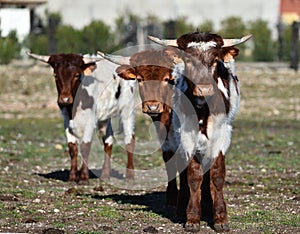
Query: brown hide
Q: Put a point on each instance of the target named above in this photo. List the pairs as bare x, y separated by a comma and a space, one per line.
202, 70
67, 70
153, 70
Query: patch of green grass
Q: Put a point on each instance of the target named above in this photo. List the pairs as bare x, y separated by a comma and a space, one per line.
59, 225
271, 145
108, 212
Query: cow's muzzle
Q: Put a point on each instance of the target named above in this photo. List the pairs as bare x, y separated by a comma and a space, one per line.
206, 90
152, 108
65, 100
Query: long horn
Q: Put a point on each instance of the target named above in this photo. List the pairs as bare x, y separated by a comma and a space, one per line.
43, 58
117, 59
236, 41
164, 42
90, 59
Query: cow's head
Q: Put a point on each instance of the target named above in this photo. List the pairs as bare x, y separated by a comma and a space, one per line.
153, 71
201, 61
68, 70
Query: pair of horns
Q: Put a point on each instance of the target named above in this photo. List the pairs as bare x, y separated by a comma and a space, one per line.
121, 60
45, 58
227, 42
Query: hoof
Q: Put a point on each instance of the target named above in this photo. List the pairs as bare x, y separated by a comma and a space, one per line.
105, 177
83, 182
129, 174
73, 178
72, 182
220, 227
192, 227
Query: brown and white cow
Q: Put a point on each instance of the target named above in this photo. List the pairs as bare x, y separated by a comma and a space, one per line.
87, 102
153, 71
205, 102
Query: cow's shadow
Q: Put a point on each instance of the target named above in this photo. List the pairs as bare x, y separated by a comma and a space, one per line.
153, 202
63, 175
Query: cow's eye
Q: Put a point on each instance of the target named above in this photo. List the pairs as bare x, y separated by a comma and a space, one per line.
77, 76
215, 61
55, 76
166, 79
139, 78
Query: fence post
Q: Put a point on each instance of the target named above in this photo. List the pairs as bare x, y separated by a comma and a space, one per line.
295, 46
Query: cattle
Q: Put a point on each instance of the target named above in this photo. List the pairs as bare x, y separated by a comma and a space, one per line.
205, 101
89, 94
153, 71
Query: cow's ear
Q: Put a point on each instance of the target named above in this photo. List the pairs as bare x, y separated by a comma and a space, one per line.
229, 53
126, 72
89, 68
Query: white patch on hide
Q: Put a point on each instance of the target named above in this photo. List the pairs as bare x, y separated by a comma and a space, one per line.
70, 137
103, 84
126, 107
109, 140
234, 99
202, 45
230, 65
222, 88
67, 125
219, 135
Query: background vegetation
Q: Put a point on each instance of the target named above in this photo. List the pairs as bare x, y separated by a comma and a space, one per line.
53, 36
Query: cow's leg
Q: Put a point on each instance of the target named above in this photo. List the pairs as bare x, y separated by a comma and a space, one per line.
130, 166
108, 144
183, 196
127, 115
85, 148
195, 178
217, 180
73, 152
172, 190
105, 174
206, 201
184, 192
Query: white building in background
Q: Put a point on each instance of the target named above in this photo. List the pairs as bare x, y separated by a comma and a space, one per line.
16, 15
79, 13
15, 20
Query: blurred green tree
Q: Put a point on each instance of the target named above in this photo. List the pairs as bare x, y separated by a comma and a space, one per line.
183, 27
263, 45
37, 43
68, 40
9, 48
96, 36
234, 27
206, 26
286, 43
